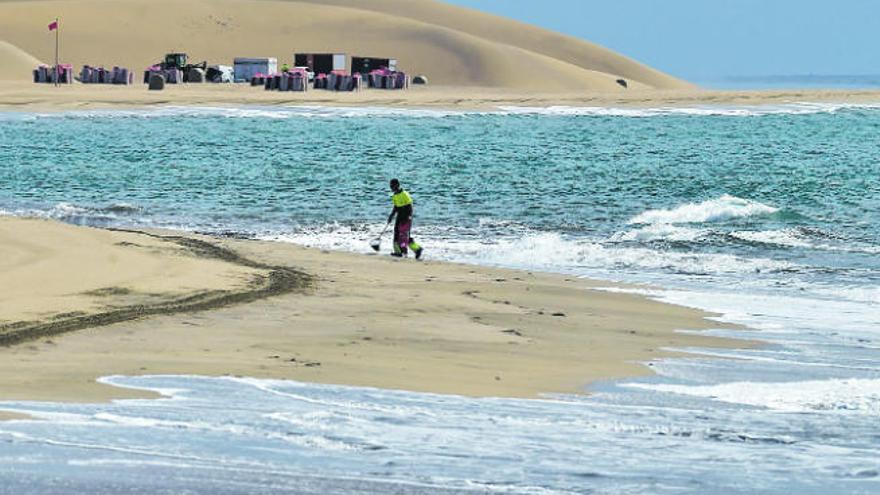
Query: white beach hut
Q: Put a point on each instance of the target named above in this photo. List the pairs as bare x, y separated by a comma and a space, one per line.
246, 68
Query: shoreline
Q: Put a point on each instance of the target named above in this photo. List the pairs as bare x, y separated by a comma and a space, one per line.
12, 416
25, 97
372, 321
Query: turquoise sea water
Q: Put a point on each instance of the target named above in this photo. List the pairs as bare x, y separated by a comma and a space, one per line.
767, 215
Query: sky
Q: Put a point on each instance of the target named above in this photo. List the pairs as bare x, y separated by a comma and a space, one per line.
705, 40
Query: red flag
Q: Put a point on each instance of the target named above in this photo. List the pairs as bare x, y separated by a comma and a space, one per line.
53, 26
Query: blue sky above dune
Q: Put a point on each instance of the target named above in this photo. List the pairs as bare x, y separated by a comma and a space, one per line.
714, 39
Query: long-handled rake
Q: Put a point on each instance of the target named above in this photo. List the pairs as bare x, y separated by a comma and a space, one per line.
376, 243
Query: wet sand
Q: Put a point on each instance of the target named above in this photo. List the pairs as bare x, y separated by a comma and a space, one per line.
7, 416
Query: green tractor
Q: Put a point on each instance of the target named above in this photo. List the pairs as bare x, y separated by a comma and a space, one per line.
174, 61
178, 61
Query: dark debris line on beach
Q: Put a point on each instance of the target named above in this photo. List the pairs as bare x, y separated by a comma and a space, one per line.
280, 280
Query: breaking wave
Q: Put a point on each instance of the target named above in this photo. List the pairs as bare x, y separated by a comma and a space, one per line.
103, 215
713, 210
543, 251
245, 112
554, 252
802, 108
661, 232
320, 111
805, 239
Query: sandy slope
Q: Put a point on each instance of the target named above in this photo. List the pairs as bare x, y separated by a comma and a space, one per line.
453, 46
569, 49
365, 320
15, 63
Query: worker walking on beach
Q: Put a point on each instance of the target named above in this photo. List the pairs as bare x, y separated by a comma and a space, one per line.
403, 210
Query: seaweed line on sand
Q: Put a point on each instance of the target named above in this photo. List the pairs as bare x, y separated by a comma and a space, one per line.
280, 280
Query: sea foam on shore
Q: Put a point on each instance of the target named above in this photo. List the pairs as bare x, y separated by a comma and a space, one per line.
296, 433
253, 111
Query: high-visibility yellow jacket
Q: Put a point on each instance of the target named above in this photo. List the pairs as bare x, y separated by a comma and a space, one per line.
401, 199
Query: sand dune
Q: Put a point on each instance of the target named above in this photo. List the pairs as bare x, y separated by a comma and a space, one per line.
15, 63
452, 45
575, 51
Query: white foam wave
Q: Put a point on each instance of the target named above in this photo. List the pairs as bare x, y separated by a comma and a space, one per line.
801, 108
788, 238
797, 238
310, 111
316, 441
291, 390
331, 236
834, 395
67, 209
543, 251
831, 316
660, 232
73, 213
250, 112
147, 422
553, 252
712, 210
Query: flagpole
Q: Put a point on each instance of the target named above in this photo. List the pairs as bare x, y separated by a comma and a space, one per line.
57, 29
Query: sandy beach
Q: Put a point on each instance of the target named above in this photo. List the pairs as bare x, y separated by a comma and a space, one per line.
28, 97
354, 319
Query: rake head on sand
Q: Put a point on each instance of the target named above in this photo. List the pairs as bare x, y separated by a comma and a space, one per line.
376, 243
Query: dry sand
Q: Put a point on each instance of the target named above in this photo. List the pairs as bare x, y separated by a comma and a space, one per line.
23, 96
363, 320
451, 45
54, 271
